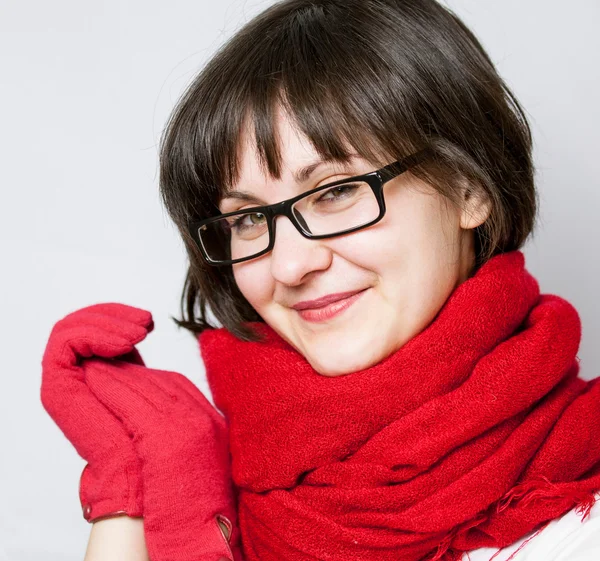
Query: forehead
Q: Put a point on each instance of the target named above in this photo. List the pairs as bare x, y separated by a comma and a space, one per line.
294, 147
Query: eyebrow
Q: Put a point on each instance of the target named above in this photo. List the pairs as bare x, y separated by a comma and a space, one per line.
301, 175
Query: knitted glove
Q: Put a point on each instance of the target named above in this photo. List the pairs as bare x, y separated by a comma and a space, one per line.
183, 444
110, 483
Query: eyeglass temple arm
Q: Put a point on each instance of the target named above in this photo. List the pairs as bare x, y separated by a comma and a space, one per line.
396, 168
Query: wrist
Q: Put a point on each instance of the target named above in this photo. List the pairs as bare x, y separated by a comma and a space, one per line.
109, 497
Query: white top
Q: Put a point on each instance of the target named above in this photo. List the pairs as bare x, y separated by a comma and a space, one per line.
564, 539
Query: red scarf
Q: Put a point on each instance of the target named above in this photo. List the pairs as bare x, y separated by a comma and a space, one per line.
474, 433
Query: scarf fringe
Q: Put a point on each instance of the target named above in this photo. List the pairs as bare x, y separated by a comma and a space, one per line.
525, 542
525, 493
543, 488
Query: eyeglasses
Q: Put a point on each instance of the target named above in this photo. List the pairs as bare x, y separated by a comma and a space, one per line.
327, 211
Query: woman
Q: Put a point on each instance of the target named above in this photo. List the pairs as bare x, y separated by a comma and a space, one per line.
353, 183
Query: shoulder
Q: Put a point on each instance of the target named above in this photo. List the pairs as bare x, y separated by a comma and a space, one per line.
565, 539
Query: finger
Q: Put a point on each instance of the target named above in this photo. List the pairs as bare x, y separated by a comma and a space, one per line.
67, 347
133, 398
111, 325
163, 379
194, 396
131, 314
172, 384
178, 388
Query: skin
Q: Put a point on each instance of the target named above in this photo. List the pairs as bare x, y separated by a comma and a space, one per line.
410, 261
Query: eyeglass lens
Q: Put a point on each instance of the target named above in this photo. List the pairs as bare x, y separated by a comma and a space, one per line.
325, 212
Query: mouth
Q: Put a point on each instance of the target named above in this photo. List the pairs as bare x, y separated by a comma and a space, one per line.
331, 310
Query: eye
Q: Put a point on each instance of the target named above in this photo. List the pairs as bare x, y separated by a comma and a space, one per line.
256, 219
339, 192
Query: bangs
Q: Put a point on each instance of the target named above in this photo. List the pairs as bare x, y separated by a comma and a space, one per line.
360, 106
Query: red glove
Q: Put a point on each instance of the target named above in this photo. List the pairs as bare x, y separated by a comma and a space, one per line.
110, 483
183, 444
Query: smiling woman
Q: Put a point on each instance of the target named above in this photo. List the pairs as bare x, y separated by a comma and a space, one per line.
353, 182
409, 258
418, 309
317, 87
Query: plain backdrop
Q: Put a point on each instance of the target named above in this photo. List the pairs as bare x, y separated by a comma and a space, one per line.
85, 89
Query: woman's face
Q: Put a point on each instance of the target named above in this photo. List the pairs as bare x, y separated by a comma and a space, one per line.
406, 265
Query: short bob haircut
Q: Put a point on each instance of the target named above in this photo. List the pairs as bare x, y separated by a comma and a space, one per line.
385, 77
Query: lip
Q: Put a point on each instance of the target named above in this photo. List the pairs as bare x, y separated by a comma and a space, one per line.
331, 309
324, 300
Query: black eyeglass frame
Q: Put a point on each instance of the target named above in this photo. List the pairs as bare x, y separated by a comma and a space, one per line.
376, 180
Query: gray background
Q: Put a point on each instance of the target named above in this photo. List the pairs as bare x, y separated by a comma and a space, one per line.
86, 87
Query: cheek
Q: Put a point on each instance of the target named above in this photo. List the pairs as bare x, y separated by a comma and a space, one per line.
420, 220
376, 249
254, 281
413, 244
389, 243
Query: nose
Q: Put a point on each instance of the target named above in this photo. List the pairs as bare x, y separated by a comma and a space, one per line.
294, 256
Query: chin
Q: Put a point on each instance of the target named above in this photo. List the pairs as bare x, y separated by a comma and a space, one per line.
342, 362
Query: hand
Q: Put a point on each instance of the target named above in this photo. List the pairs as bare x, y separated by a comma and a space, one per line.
110, 483
183, 444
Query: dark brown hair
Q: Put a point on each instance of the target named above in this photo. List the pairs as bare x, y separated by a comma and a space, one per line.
385, 77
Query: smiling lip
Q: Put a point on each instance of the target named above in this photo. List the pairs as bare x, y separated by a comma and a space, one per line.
327, 311
324, 300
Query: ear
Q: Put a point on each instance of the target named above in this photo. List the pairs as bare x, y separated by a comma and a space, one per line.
475, 206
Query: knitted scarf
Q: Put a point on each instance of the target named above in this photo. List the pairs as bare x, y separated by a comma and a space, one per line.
473, 434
